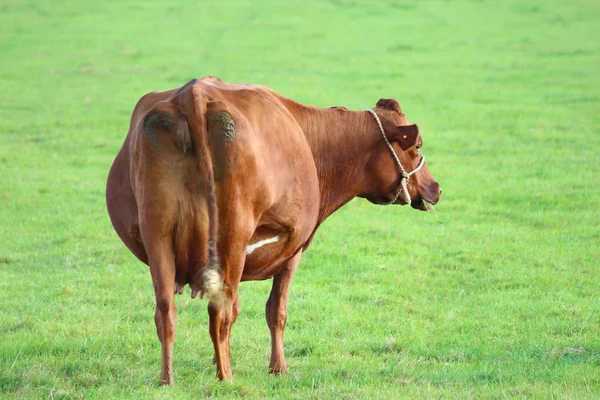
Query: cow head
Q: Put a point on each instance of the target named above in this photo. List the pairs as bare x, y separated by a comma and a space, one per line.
383, 173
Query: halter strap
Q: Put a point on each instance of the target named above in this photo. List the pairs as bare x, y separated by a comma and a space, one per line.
405, 175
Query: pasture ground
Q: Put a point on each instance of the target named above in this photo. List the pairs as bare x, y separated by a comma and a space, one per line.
499, 301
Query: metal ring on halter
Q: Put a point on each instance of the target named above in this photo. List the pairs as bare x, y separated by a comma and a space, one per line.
405, 175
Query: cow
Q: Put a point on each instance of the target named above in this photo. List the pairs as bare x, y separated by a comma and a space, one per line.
219, 183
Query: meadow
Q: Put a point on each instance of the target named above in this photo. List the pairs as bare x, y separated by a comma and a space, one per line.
500, 300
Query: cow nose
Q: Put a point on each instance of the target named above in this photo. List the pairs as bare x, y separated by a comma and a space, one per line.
434, 193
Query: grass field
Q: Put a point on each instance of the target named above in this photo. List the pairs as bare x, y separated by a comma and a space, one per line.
501, 300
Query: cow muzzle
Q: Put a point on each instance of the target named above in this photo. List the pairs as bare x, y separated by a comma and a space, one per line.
429, 196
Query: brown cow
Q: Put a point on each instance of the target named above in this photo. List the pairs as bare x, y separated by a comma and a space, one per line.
220, 183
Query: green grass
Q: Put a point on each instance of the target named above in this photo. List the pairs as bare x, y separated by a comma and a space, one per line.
499, 301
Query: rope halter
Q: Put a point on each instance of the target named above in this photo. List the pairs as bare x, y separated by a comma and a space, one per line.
405, 175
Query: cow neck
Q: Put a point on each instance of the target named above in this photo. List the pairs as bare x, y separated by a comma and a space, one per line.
340, 141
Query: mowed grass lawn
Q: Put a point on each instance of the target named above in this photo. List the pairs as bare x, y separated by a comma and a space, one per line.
501, 300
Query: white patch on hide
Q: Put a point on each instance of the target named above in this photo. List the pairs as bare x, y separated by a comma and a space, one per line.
261, 243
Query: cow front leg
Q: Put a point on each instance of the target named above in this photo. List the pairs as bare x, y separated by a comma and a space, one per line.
276, 313
162, 268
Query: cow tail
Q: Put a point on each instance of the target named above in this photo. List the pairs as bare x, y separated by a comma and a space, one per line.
210, 276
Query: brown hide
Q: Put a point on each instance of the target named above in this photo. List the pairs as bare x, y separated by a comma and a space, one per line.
219, 183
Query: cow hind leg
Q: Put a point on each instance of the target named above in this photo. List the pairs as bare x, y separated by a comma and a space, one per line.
221, 314
162, 268
234, 315
223, 308
276, 313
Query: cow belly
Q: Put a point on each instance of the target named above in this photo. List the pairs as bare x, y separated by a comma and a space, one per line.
121, 205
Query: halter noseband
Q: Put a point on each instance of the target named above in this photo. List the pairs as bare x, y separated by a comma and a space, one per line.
405, 175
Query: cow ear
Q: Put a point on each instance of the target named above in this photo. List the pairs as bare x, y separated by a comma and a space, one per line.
389, 104
406, 136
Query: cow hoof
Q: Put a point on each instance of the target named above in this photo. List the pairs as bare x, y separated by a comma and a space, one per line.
225, 377
278, 371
